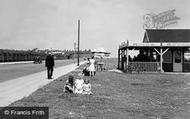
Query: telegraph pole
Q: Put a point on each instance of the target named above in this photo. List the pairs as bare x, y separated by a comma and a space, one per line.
75, 49
78, 41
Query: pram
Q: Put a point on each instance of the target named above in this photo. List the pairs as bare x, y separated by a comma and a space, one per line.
86, 72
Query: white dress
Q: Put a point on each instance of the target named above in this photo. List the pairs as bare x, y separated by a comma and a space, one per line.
87, 89
79, 86
92, 67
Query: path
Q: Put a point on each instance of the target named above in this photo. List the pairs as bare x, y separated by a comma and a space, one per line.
16, 89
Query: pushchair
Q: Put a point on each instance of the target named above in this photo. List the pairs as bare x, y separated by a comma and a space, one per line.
86, 72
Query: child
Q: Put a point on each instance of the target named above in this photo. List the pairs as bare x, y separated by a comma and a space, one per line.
79, 84
69, 86
92, 66
86, 71
87, 87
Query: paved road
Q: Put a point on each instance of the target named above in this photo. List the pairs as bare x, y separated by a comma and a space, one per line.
14, 70
18, 88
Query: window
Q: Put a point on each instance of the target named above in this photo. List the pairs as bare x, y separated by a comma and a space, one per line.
177, 56
167, 57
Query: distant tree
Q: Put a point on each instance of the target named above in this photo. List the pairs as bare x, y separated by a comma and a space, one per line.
35, 50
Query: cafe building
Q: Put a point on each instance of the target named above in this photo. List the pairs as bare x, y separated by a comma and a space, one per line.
162, 50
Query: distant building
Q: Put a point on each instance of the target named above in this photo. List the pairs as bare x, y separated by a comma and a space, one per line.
100, 53
57, 52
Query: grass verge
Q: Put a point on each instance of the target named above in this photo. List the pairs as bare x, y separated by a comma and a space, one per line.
117, 95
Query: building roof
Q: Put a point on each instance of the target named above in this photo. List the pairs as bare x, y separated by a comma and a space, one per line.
167, 35
100, 50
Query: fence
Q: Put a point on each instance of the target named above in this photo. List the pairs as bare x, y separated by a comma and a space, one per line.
142, 67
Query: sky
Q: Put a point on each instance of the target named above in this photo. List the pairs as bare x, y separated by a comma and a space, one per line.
52, 24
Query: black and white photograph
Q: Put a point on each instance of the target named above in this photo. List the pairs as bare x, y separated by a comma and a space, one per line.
94, 59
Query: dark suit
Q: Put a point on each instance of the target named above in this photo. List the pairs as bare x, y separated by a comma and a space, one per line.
49, 64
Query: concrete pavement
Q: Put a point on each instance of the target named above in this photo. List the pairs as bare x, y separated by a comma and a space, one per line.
16, 89
21, 62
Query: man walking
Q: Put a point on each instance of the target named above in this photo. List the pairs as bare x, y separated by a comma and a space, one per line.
49, 64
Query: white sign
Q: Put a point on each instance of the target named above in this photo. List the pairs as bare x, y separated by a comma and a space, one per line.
187, 56
161, 20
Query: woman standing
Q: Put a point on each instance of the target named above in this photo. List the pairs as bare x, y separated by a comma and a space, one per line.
92, 66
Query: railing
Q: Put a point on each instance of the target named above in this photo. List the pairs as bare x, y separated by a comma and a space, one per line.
142, 67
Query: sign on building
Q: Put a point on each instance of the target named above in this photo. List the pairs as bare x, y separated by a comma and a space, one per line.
161, 20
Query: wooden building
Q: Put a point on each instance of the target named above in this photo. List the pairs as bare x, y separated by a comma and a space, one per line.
166, 50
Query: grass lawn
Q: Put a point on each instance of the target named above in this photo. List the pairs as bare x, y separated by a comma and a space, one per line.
117, 95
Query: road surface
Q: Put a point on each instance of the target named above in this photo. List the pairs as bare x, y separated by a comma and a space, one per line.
10, 71
18, 88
